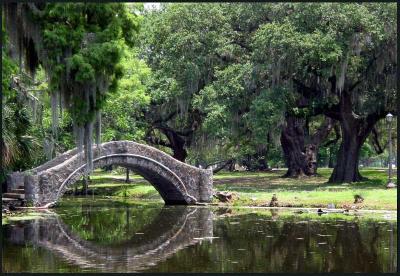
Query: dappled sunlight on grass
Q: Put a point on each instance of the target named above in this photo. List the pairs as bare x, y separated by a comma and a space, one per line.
257, 188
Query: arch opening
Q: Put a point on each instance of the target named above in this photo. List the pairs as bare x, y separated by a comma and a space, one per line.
170, 187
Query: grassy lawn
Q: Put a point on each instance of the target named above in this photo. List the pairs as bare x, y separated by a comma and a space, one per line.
256, 189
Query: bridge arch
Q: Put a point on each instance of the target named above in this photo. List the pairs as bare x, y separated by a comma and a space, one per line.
164, 180
177, 182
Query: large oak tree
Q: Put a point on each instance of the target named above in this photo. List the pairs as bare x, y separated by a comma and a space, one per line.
341, 59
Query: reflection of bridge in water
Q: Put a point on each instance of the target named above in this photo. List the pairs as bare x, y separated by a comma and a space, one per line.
164, 236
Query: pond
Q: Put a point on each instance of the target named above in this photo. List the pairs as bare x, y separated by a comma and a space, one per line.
92, 235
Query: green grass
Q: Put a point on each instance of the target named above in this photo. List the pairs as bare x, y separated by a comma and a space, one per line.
22, 216
257, 188
111, 187
308, 214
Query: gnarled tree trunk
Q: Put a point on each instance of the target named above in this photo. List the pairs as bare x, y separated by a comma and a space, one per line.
292, 141
301, 149
346, 168
355, 130
177, 144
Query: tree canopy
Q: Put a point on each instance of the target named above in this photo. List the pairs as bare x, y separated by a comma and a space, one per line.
298, 85
80, 47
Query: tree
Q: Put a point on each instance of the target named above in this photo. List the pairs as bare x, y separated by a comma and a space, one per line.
235, 101
339, 58
80, 46
181, 44
124, 110
17, 146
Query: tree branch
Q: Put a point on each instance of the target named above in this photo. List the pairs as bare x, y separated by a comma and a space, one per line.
35, 10
322, 132
185, 132
337, 137
220, 167
166, 119
155, 140
375, 141
305, 90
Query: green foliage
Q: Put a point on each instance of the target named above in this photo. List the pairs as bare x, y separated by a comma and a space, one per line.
123, 117
181, 44
80, 46
102, 31
266, 112
227, 74
8, 66
313, 42
17, 145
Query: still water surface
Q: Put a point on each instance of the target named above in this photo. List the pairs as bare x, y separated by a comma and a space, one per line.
105, 236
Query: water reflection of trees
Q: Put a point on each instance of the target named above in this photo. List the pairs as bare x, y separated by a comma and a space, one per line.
246, 243
108, 225
330, 246
300, 248
259, 243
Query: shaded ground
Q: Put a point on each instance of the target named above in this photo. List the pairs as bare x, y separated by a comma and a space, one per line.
256, 189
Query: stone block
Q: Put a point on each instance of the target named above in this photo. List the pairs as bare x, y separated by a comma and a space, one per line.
14, 180
31, 189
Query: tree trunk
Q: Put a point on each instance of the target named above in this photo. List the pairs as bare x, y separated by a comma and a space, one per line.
330, 164
256, 162
261, 156
301, 157
292, 141
346, 168
262, 163
311, 152
177, 144
232, 166
85, 185
355, 129
127, 176
108, 168
179, 153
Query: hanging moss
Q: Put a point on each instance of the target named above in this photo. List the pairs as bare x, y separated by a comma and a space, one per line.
80, 46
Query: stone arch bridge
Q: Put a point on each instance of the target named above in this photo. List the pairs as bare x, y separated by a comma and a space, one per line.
177, 182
